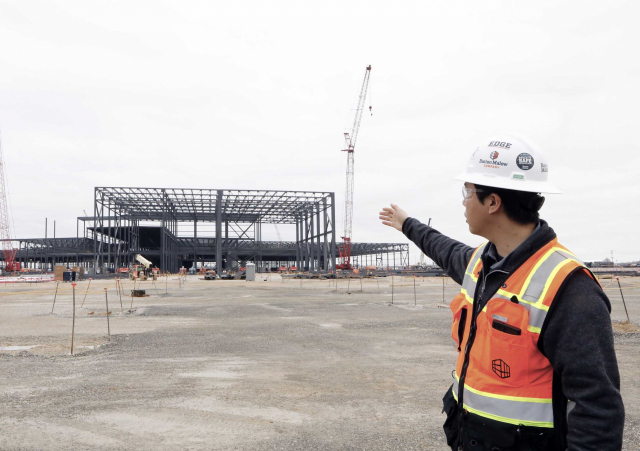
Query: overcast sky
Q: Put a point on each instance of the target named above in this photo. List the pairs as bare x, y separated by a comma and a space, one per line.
257, 95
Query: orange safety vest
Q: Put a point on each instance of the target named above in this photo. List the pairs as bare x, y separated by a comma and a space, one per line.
508, 379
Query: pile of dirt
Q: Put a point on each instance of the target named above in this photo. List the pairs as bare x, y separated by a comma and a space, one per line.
625, 327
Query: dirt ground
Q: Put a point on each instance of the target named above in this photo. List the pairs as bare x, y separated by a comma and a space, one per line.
233, 365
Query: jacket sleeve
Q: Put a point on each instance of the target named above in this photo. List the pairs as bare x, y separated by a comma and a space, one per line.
578, 341
451, 255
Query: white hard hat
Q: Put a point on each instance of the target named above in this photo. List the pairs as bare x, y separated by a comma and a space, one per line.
506, 161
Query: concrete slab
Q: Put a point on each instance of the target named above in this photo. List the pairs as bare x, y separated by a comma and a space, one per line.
235, 365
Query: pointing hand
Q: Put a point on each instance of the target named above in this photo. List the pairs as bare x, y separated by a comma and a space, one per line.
393, 217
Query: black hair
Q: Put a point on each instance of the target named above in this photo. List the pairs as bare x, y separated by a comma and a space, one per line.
519, 206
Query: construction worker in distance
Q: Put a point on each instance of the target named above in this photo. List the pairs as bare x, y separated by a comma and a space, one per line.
536, 366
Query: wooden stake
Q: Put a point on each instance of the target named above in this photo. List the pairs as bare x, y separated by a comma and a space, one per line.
54, 297
623, 303
415, 301
85, 294
391, 288
106, 300
120, 293
73, 324
134, 287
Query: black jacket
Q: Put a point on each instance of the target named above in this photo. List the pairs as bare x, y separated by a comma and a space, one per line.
576, 338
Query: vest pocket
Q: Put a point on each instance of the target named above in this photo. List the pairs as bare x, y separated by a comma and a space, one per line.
508, 359
461, 323
507, 339
459, 310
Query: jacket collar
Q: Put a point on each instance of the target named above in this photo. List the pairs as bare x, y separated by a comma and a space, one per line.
540, 237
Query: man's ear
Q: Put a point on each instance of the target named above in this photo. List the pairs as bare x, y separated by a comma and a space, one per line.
494, 203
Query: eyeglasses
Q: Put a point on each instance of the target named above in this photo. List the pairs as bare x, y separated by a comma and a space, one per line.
466, 192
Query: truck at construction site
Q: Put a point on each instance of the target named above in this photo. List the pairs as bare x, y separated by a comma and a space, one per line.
144, 270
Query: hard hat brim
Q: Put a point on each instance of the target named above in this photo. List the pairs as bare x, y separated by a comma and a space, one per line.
530, 186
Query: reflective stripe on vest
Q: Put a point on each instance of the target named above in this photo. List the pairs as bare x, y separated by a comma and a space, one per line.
507, 409
518, 389
533, 293
470, 279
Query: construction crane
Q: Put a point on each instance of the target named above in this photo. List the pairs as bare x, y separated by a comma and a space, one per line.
9, 253
350, 145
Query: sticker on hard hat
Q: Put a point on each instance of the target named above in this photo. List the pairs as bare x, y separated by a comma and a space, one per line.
502, 144
493, 161
524, 161
518, 176
544, 167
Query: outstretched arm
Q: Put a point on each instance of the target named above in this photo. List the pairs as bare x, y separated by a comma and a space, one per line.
451, 255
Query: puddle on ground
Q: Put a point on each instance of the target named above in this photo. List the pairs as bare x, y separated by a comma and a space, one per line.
18, 348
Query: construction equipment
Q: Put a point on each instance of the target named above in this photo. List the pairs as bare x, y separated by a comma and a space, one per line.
350, 144
210, 274
147, 264
141, 271
9, 253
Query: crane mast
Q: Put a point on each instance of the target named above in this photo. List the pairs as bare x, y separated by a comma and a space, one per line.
9, 253
350, 144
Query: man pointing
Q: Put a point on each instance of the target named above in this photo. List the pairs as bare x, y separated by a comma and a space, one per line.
536, 367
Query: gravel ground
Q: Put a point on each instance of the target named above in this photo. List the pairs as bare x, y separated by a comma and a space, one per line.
234, 365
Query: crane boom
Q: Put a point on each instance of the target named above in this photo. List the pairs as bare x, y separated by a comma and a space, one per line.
9, 253
350, 139
350, 145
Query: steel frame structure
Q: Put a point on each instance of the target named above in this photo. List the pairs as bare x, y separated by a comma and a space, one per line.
44, 253
238, 215
124, 218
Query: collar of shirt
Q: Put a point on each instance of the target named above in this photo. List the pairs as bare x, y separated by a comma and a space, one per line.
496, 262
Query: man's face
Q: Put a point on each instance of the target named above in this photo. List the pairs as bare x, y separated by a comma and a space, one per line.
474, 210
